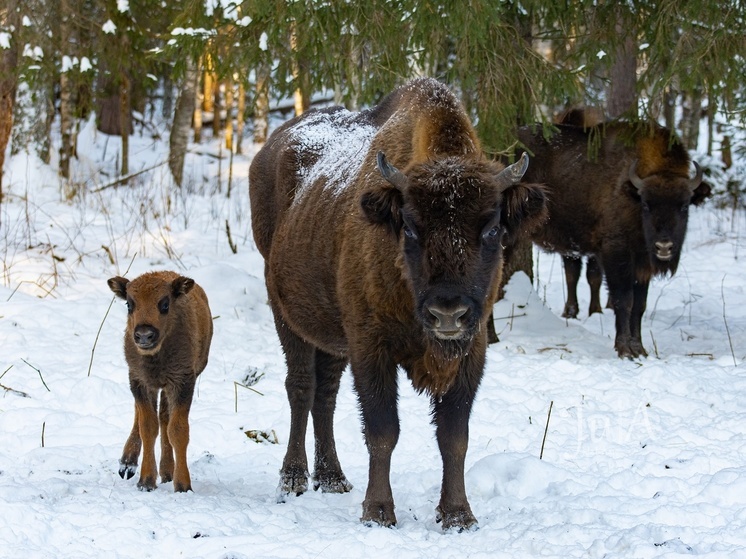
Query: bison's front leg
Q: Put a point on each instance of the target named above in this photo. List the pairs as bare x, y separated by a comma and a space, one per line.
131, 451
377, 391
621, 291
639, 304
451, 417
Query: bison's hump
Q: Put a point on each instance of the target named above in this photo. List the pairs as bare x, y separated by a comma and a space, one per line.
331, 145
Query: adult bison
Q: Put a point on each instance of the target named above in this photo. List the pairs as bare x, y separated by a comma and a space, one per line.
627, 205
381, 233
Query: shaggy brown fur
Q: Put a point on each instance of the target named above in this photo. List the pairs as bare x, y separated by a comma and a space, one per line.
381, 232
627, 206
166, 344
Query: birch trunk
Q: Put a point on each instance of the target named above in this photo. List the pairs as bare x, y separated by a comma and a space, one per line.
179, 138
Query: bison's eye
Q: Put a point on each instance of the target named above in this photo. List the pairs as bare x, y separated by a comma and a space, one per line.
645, 207
130, 306
163, 305
491, 233
685, 208
408, 232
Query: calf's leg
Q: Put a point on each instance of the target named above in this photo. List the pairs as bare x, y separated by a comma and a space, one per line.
179, 402
327, 474
166, 467
131, 451
148, 423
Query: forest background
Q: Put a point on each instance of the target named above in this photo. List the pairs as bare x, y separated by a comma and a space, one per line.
175, 65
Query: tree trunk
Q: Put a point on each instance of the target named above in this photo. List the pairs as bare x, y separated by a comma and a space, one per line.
124, 122
301, 96
66, 94
8, 81
622, 93
229, 115
261, 105
240, 116
690, 119
179, 138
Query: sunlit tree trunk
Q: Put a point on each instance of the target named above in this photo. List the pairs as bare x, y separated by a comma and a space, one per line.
124, 121
240, 116
229, 114
261, 105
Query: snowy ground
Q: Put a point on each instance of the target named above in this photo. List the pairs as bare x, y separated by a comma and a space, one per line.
642, 458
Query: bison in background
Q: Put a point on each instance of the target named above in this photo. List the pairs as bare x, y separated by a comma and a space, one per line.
621, 193
382, 236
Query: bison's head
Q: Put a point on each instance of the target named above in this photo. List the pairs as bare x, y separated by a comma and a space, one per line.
451, 217
150, 299
664, 201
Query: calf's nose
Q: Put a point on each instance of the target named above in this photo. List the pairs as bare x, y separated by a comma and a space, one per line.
145, 336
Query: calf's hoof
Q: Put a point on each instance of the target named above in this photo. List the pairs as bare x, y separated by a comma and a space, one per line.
127, 470
181, 487
146, 484
378, 513
331, 482
457, 520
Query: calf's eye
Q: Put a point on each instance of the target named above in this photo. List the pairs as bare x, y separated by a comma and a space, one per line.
163, 305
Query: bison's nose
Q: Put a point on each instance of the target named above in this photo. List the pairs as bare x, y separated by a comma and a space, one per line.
448, 323
663, 250
145, 337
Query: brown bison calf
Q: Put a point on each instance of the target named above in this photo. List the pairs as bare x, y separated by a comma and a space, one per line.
166, 344
382, 233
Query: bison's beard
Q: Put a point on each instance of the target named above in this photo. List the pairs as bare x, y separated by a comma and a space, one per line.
448, 350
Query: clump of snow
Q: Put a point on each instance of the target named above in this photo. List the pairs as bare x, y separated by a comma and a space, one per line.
109, 27
337, 142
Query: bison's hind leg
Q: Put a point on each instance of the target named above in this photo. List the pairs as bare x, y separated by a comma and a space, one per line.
300, 385
327, 474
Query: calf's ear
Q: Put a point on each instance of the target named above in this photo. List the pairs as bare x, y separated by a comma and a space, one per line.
181, 286
524, 209
118, 285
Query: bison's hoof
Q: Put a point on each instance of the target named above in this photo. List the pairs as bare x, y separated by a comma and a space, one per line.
630, 349
593, 309
571, 311
127, 470
331, 482
456, 520
378, 513
166, 477
292, 483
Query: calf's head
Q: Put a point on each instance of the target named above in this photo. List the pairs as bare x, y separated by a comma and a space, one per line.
150, 299
450, 218
664, 201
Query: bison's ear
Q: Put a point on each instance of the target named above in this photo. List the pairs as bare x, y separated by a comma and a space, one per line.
524, 209
701, 193
181, 286
381, 206
118, 285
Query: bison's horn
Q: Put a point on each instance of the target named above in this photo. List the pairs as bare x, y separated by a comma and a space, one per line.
514, 173
633, 178
391, 173
695, 182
